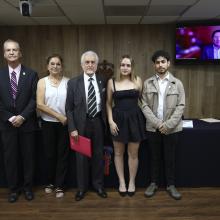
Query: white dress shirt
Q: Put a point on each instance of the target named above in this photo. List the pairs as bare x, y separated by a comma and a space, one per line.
17, 70
97, 93
162, 87
216, 52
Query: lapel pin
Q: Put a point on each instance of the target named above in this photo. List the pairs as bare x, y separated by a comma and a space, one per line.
24, 73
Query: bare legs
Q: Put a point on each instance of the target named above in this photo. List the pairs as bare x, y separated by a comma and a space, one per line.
119, 149
132, 164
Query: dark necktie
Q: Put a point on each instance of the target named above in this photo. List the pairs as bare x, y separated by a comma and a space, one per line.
92, 105
14, 86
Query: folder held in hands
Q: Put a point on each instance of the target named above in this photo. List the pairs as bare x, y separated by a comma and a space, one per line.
82, 146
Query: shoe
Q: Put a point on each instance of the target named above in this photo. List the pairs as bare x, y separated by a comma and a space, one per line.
28, 195
172, 191
151, 190
131, 190
79, 195
122, 194
13, 197
59, 193
101, 192
131, 193
49, 188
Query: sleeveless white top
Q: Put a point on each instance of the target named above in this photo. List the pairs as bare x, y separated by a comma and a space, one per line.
55, 98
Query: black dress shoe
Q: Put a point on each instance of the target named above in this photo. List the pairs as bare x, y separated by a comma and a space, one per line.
28, 195
13, 197
79, 195
122, 194
131, 193
101, 193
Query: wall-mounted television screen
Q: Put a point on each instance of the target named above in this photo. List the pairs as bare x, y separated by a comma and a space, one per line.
198, 43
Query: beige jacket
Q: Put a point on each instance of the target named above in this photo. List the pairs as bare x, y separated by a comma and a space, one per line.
174, 104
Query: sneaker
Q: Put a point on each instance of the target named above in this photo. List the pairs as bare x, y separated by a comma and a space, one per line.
49, 188
151, 190
59, 193
172, 191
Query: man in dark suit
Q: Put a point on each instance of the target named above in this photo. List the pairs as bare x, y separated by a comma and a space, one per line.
17, 120
212, 51
88, 121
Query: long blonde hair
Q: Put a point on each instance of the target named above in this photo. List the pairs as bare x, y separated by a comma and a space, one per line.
118, 73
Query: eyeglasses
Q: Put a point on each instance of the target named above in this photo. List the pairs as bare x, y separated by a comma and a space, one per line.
127, 65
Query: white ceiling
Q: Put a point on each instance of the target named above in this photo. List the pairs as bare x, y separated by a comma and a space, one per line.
79, 12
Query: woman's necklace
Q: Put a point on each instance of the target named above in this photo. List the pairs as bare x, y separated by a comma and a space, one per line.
55, 81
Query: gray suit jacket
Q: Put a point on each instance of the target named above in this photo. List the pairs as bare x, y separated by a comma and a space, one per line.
76, 106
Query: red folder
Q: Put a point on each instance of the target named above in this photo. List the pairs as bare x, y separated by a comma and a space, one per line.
82, 146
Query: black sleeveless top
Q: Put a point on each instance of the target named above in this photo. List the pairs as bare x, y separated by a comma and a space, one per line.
128, 116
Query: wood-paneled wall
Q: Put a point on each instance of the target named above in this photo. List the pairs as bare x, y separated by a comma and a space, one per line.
202, 83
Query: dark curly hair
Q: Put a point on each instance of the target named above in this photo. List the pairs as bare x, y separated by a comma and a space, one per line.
160, 53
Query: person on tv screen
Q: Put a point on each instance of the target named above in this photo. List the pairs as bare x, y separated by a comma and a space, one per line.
212, 51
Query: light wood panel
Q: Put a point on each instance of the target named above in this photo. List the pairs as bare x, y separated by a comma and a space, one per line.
202, 83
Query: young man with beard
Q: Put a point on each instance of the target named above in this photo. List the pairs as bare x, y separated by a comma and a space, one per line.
163, 102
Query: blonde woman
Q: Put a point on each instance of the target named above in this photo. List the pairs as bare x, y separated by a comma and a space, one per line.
126, 121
